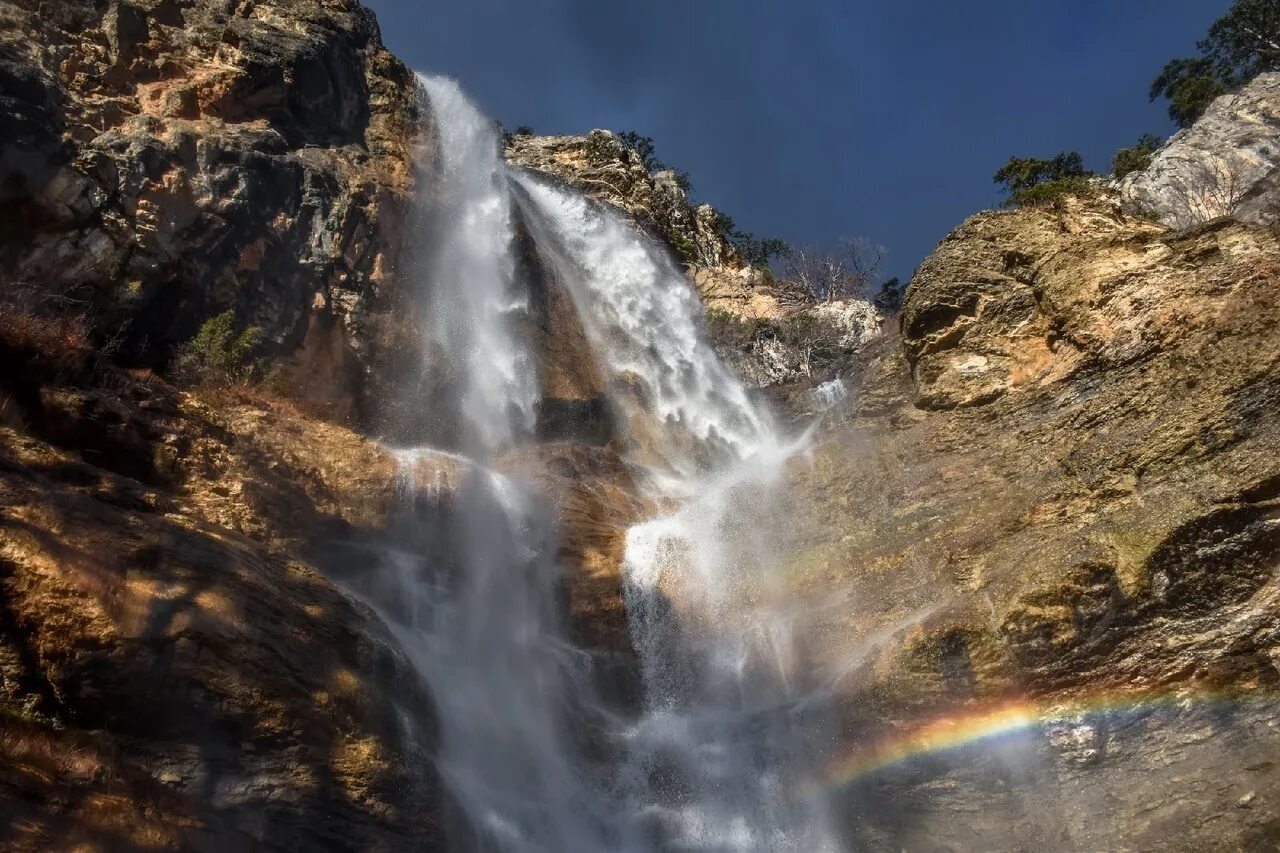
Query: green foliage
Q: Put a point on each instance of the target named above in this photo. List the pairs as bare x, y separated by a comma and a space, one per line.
1033, 180
756, 251
524, 130
1135, 159
685, 248
1240, 45
1050, 191
1246, 40
643, 146
219, 353
1190, 85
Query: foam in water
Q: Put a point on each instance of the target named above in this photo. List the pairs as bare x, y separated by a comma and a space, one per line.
830, 393
645, 322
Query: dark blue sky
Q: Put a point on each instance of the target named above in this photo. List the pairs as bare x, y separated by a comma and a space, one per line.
815, 120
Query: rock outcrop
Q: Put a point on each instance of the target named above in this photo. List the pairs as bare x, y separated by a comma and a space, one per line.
1059, 489
1223, 165
162, 162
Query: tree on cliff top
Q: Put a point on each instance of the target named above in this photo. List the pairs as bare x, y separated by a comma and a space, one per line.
1035, 180
1136, 158
643, 146
1240, 45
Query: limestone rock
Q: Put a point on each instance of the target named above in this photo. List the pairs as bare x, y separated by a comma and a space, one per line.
1060, 484
175, 672
162, 162
1223, 165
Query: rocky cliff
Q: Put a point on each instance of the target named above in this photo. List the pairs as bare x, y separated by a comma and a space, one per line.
1054, 493
1058, 490
1223, 165
162, 162
175, 672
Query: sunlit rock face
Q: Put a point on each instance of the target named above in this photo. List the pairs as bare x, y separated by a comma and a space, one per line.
1049, 516
163, 162
606, 170
175, 670
1223, 165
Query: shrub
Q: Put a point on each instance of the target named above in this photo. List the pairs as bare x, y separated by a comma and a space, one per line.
1034, 180
1135, 159
644, 147
218, 353
888, 300
685, 248
1050, 191
756, 251
818, 274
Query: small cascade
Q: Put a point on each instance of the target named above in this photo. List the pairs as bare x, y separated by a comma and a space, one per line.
645, 321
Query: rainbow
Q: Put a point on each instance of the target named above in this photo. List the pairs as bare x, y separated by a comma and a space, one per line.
975, 724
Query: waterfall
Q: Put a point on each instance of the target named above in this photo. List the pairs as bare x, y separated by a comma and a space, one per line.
477, 612
477, 311
723, 733
529, 755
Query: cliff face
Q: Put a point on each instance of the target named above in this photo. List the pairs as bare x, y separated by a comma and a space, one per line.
162, 162
1059, 489
1223, 165
602, 166
175, 672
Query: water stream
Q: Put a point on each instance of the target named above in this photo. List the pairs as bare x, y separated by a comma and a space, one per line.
531, 757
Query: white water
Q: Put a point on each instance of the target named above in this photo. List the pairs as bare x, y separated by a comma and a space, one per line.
721, 742
526, 751
477, 309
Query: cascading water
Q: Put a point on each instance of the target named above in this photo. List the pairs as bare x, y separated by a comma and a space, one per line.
477, 310
478, 615
528, 754
722, 737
